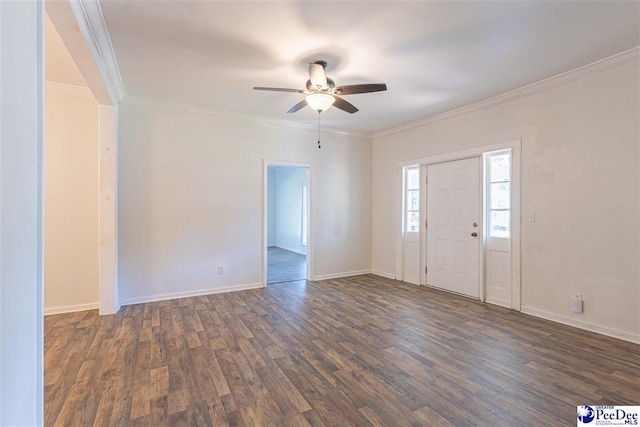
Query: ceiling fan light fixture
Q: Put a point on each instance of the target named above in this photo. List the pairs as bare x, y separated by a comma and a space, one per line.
319, 101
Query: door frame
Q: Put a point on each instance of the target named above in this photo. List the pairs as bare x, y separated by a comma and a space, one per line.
516, 149
310, 227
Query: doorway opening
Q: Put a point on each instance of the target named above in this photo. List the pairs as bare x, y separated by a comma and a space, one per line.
287, 218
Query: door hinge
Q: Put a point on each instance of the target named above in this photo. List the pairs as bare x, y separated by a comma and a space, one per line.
425, 270
426, 224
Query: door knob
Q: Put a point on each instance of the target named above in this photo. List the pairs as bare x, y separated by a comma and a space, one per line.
474, 234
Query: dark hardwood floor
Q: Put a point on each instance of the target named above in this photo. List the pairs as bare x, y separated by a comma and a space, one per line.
353, 351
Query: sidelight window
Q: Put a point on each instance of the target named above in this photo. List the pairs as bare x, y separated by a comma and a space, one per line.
412, 199
499, 197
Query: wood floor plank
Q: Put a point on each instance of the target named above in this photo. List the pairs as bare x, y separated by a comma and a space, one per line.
179, 419
105, 406
359, 351
158, 410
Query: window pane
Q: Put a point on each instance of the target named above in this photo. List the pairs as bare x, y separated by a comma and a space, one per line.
413, 222
499, 224
500, 195
499, 166
413, 200
413, 178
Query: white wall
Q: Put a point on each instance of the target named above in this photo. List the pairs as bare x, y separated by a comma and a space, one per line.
21, 109
190, 199
71, 202
580, 166
287, 198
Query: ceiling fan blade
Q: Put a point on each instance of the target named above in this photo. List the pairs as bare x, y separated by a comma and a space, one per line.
299, 106
344, 105
364, 88
279, 89
317, 75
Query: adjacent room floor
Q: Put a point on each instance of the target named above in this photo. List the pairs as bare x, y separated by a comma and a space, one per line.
285, 266
355, 351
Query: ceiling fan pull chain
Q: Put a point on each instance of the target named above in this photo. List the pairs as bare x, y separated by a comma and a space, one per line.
319, 129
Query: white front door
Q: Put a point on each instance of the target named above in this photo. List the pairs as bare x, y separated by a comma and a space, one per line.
453, 226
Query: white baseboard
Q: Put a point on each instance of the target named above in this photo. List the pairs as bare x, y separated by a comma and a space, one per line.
70, 308
615, 333
384, 274
196, 293
343, 274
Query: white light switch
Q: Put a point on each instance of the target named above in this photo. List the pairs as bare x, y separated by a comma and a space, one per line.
531, 217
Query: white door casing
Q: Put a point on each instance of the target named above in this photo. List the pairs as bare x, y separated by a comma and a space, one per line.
453, 207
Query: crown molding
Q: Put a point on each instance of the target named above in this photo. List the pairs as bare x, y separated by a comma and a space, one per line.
277, 123
91, 22
67, 89
605, 64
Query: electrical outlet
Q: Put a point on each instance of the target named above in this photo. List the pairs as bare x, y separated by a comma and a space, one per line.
577, 306
220, 269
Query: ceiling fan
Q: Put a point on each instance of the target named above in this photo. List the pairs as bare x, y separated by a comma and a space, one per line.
321, 92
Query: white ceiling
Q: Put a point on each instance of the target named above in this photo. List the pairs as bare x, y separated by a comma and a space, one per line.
434, 56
